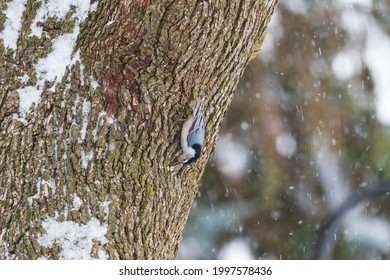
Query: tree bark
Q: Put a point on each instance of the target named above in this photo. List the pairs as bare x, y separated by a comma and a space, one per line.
89, 159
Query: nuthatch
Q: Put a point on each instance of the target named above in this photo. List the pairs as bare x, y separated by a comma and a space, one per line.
192, 136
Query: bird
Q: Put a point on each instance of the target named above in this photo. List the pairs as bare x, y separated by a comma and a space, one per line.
192, 136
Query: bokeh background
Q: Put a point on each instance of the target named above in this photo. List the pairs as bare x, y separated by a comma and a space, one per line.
309, 126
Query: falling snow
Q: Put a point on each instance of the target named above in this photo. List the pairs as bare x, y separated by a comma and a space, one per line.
261, 188
309, 129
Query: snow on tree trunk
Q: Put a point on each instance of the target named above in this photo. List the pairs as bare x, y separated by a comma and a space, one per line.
88, 96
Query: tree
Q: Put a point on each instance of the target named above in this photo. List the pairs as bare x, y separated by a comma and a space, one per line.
88, 98
309, 119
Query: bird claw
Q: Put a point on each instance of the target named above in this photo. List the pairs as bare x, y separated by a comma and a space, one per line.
179, 120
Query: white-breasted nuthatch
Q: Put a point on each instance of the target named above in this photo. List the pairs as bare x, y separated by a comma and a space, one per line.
192, 136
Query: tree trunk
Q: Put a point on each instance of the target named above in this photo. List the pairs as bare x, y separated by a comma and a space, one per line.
88, 99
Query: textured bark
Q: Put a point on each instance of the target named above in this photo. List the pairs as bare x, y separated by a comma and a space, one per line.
99, 142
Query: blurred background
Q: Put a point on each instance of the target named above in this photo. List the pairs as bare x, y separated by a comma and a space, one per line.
309, 126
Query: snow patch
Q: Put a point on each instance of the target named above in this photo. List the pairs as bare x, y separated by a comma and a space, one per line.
106, 207
27, 96
25, 78
74, 239
93, 82
59, 9
86, 109
110, 120
86, 158
53, 66
76, 103
76, 202
13, 23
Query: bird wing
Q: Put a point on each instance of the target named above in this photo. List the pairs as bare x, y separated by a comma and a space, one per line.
196, 131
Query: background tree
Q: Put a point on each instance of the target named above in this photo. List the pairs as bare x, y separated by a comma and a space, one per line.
307, 129
89, 93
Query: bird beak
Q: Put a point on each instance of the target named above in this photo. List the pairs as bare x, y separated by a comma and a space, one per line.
176, 163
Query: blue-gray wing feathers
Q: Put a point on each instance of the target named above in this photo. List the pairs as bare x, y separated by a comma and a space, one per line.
196, 134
